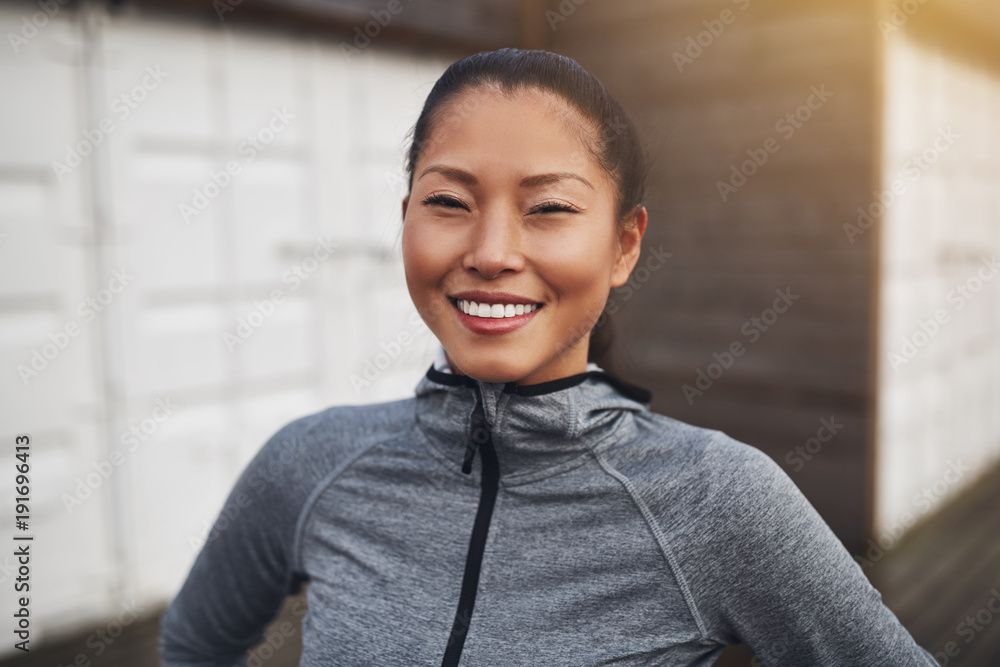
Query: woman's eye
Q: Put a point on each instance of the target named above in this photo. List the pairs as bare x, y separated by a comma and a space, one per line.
443, 200
451, 202
554, 207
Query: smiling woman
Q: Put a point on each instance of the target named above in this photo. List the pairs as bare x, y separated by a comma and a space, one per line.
510, 208
593, 531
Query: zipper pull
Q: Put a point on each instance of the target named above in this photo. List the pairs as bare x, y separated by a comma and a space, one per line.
470, 453
478, 434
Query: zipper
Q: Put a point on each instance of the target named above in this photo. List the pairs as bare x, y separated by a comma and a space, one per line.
481, 439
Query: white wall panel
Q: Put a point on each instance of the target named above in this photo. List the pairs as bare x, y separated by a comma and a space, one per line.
941, 405
330, 177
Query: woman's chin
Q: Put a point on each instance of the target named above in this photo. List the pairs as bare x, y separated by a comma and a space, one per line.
491, 370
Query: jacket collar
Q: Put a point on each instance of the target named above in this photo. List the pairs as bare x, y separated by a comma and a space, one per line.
535, 429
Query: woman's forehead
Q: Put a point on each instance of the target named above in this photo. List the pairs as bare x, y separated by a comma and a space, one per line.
540, 122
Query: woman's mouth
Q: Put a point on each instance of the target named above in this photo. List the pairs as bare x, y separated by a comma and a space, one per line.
494, 310
494, 318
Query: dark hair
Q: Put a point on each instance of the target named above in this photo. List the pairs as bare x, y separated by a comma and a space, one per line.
613, 140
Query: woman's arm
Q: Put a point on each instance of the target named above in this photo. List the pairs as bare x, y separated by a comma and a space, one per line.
244, 570
776, 578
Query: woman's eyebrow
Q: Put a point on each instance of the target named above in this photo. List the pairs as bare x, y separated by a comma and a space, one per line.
465, 177
545, 179
453, 173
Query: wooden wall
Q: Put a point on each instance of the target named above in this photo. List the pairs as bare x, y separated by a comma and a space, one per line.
780, 230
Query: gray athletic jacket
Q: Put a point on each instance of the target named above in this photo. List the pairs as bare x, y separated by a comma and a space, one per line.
555, 524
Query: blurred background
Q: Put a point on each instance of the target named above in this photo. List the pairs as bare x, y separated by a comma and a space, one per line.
199, 218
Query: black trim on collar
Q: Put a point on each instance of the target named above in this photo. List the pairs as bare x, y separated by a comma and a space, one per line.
450, 379
632, 391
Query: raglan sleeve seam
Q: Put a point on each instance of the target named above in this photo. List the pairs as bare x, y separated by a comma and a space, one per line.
305, 512
661, 542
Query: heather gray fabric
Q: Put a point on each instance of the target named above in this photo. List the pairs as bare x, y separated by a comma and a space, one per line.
619, 537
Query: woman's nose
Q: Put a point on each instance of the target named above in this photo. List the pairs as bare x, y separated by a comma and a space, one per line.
496, 243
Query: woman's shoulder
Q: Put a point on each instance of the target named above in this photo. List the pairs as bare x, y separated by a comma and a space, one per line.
671, 462
318, 442
713, 493
660, 443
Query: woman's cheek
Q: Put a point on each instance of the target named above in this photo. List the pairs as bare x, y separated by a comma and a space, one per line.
572, 271
425, 251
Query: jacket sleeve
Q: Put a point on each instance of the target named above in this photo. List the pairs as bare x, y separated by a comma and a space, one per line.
244, 569
771, 574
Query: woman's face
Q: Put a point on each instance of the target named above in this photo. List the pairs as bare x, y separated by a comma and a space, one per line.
510, 210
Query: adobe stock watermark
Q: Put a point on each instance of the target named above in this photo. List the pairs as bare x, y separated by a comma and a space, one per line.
258, 481
263, 310
373, 367
133, 437
696, 44
914, 168
929, 328
381, 18
249, 148
898, 16
59, 339
566, 9
970, 627
828, 429
924, 500
103, 637
641, 274
223, 7
122, 107
31, 25
609, 130
774, 653
786, 126
7, 569
655, 259
396, 182
277, 638
455, 113
753, 329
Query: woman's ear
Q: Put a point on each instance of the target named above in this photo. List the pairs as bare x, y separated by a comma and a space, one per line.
630, 245
406, 200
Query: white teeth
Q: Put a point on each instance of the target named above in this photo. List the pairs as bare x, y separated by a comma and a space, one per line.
495, 310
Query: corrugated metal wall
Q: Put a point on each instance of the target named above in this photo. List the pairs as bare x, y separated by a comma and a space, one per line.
239, 176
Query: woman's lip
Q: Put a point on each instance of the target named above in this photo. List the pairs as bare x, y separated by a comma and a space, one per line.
479, 296
493, 325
